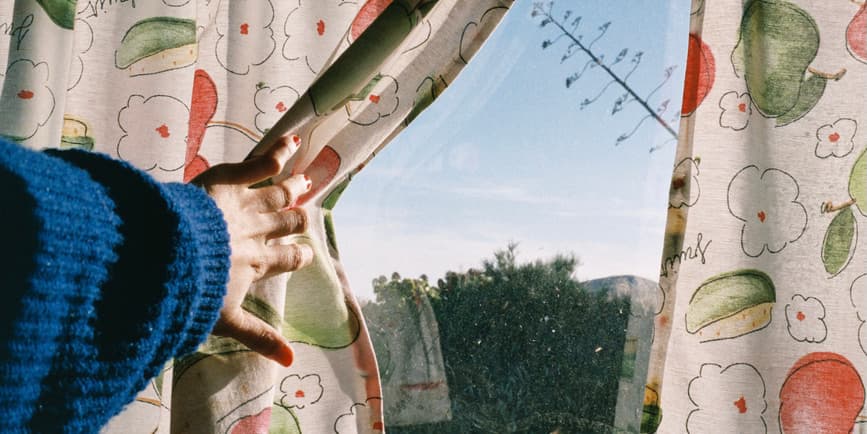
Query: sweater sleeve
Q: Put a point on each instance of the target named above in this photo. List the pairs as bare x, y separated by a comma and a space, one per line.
113, 274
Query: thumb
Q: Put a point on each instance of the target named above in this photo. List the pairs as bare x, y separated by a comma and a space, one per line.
256, 335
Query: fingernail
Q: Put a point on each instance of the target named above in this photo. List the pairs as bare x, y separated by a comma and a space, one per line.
308, 183
296, 142
285, 356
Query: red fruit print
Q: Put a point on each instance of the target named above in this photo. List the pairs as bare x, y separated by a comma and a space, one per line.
834, 137
856, 35
163, 130
245, 29
377, 426
203, 105
741, 404
320, 27
280, 107
800, 316
320, 172
663, 320
299, 393
257, 424
762, 216
823, 393
25, 94
742, 107
366, 15
373, 98
700, 74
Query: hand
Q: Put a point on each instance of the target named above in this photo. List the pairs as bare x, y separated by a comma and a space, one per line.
253, 217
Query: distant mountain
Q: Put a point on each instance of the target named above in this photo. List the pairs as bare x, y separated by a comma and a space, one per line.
644, 292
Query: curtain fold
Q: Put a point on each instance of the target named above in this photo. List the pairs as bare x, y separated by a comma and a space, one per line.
763, 268
175, 86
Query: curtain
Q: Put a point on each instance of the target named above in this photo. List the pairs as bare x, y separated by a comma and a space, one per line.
764, 272
175, 86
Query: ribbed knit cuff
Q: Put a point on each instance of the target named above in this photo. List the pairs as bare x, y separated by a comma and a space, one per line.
207, 240
186, 236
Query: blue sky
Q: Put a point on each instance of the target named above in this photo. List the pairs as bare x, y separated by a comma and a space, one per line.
506, 154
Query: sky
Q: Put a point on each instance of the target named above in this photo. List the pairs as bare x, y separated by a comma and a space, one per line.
508, 155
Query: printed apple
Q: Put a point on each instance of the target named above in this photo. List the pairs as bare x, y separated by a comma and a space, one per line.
823, 393
856, 35
700, 74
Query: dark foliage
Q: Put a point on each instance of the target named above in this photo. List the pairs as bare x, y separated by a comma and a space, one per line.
526, 349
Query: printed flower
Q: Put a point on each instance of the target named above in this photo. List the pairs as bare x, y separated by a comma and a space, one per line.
659, 301
858, 294
246, 38
314, 30
299, 392
736, 110
837, 139
156, 132
685, 189
83, 41
362, 418
30, 102
470, 40
806, 319
378, 100
272, 103
767, 203
731, 400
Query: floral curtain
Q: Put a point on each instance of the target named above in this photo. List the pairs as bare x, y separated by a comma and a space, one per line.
764, 274
175, 86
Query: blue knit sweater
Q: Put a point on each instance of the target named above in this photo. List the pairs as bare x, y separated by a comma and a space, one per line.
105, 275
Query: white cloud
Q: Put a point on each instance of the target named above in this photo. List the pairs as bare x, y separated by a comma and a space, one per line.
272, 103
29, 102
363, 418
156, 132
314, 29
250, 33
806, 319
736, 110
299, 392
731, 399
837, 139
381, 102
767, 203
858, 296
685, 188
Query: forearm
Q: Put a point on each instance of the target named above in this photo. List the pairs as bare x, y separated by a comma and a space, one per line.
108, 274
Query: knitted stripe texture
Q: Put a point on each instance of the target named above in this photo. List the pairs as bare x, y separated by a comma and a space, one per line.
107, 275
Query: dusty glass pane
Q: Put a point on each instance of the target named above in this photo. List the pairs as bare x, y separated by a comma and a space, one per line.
506, 245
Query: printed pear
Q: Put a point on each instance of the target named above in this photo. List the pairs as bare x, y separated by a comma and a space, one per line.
858, 183
62, 12
778, 43
840, 241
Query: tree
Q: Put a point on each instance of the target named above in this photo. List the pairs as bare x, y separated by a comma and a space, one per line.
526, 348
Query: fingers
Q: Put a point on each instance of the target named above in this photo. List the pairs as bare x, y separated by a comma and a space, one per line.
282, 223
261, 167
286, 258
283, 194
255, 334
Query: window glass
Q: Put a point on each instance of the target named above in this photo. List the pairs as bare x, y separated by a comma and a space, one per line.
506, 246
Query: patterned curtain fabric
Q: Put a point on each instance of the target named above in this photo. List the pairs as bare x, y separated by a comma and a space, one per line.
175, 86
764, 273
